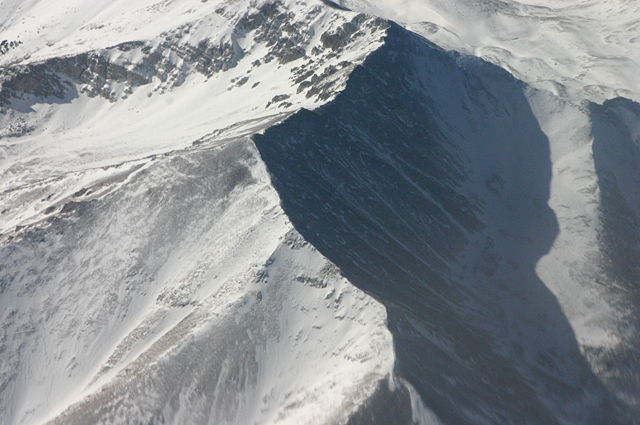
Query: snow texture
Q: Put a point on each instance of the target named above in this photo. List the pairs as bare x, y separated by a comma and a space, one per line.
302, 212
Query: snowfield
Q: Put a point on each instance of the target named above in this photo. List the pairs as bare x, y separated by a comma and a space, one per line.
577, 49
315, 212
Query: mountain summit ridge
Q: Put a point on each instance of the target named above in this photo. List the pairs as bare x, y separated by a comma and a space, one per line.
273, 212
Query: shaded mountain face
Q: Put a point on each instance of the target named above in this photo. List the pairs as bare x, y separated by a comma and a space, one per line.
616, 153
292, 212
434, 198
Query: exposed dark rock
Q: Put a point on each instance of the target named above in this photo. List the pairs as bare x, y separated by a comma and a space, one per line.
271, 25
6, 45
340, 38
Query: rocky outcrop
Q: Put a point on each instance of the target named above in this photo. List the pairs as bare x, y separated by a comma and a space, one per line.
113, 72
6, 45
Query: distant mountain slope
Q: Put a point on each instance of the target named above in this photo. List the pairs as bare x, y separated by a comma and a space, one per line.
576, 49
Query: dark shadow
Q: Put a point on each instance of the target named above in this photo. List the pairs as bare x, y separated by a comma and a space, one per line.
24, 87
426, 181
617, 162
335, 5
616, 155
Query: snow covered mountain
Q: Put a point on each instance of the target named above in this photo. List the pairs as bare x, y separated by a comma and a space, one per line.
319, 212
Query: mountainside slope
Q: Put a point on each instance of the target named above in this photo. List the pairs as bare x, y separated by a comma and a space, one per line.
183, 297
147, 271
435, 199
257, 212
225, 75
576, 49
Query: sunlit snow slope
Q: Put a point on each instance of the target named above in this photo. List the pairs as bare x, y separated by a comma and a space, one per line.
299, 212
573, 48
148, 274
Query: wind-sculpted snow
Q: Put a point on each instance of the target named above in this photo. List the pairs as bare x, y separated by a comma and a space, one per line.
576, 49
225, 75
290, 212
114, 72
147, 273
184, 297
433, 198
